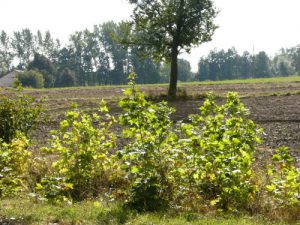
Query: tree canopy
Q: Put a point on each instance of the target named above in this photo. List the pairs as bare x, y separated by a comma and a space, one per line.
167, 27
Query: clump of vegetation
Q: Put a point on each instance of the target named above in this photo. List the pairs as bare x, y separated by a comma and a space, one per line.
14, 165
284, 182
219, 145
148, 156
19, 113
31, 78
83, 161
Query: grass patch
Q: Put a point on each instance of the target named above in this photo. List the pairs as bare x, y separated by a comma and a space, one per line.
30, 212
25, 212
250, 81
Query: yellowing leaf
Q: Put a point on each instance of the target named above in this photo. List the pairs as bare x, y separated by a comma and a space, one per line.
38, 186
135, 169
97, 204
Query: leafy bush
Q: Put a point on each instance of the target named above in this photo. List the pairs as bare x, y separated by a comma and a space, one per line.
83, 162
14, 163
18, 113
66, 78
219, 146
45, 67
147, 158
284, 178
31, 78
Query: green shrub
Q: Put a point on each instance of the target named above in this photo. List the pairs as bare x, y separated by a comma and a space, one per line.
147, 157
31, 78
284, 177
14, 162
83, 161
219, 146
66, 78
18, 113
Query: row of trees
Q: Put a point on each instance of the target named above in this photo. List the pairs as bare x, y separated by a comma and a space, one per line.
226, 65
89, 58
97, 57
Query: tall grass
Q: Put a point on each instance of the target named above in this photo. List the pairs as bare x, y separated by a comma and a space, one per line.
25, 212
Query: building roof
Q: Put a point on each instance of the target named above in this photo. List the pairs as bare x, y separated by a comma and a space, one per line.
8, 79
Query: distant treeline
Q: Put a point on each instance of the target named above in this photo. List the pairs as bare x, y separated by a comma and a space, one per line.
227, 65
97, 57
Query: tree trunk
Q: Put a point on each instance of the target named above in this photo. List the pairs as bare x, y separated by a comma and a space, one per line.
173, 74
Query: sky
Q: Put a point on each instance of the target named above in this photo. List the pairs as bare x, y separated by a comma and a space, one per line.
248, 25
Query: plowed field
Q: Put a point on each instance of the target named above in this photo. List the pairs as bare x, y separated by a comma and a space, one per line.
274, 106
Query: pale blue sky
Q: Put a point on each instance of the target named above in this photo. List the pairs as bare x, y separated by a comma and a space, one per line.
265, 24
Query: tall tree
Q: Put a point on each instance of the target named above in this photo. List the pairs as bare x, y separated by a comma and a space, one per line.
296, 58
89, 55
118, 53
66, 78
184, 70
147, 70
6, 54
101, 58
76, 46
262, 65
246, 65
203, 69
45, 67
167, 27
23, 44
230, 66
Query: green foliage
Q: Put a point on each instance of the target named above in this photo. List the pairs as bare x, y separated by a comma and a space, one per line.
66, 78
184, 70
83, 163
6, 55
166, 28
27, 212
209, 159
148, 156
14, 164
284, 177
43, 64
161, 25
207, 163
23, 44
31, 78
219, 148
45, 67
18, 113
